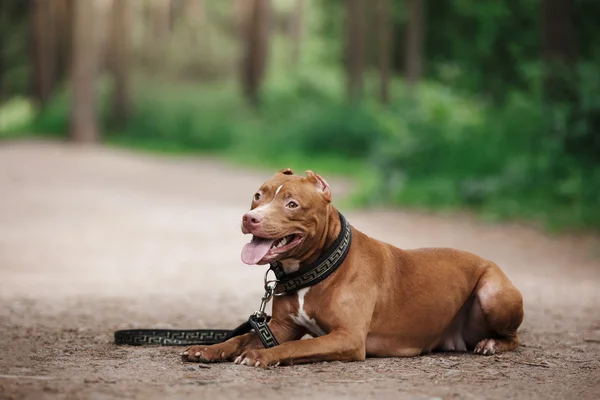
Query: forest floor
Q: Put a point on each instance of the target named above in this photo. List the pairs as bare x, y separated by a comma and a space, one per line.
94, 239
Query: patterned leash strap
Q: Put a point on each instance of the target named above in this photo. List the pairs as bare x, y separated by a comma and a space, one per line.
188, 337
258, 322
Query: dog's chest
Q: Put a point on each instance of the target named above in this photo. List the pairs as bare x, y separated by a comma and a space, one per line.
302, 318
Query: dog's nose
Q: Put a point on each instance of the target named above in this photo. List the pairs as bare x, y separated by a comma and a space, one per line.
252, 219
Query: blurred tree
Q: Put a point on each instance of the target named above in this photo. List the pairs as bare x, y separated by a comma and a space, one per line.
486, 48
63, 25
254, 25
195, 12
414, 42
241, 10
43, 49
119, 61
559, 49
385, 27
567, 81
295, 32
161, 13
3, 69
85, 51
355, 48
15, 49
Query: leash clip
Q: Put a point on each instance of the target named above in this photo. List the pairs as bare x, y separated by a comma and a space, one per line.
270, 286
263, 303
259, 320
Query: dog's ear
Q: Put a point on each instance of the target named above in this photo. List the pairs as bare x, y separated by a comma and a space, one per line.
320, 183
287, 171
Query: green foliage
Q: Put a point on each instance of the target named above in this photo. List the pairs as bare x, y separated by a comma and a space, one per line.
14, 115
54, 118
495, 160
472, 38
184, 121
480, 131
435, 149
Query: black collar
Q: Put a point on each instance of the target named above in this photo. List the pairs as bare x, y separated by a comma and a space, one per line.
324, 266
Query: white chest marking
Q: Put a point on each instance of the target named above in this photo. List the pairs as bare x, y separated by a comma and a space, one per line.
303, 319
264, 207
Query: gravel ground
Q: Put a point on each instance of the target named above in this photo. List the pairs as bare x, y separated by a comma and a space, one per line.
97, 239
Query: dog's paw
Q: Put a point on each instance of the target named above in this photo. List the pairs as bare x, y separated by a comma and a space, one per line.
486, 347
255, 358
203, 354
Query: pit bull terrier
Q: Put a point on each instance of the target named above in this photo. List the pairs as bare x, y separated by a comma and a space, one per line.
381, 301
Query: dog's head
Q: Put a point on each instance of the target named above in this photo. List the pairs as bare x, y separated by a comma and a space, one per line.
288, 213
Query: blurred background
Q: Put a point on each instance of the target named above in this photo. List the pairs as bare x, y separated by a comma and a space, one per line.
133, 134
490, 106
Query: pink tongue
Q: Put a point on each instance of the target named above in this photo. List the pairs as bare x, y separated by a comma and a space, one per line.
254, 251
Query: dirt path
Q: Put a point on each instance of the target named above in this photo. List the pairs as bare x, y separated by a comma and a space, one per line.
93, 240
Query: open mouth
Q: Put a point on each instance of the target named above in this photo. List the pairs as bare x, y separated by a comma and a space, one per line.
265, 250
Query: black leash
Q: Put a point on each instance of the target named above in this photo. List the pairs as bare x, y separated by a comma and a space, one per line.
307, 276
185, 337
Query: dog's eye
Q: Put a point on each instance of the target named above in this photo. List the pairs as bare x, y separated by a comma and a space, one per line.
292, 204
257, 196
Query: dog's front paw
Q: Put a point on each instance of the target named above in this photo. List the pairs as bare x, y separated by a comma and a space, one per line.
256, 358
204, 354
486, 347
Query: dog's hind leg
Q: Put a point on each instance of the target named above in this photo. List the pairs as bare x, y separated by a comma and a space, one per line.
496, 314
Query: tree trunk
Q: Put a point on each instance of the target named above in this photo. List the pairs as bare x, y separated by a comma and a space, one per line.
2, 74
161, 13
43, 36
195, 11
561, 82
355, 48
296, 30
3, 63
84, 66
63, 25
414, 43
242, 10
385, 25
255, 39
120, 61
559, 48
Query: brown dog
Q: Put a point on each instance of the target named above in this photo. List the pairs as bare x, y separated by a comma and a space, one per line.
382, 301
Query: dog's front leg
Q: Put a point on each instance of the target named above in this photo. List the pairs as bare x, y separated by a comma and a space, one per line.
338, 345
230, 349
